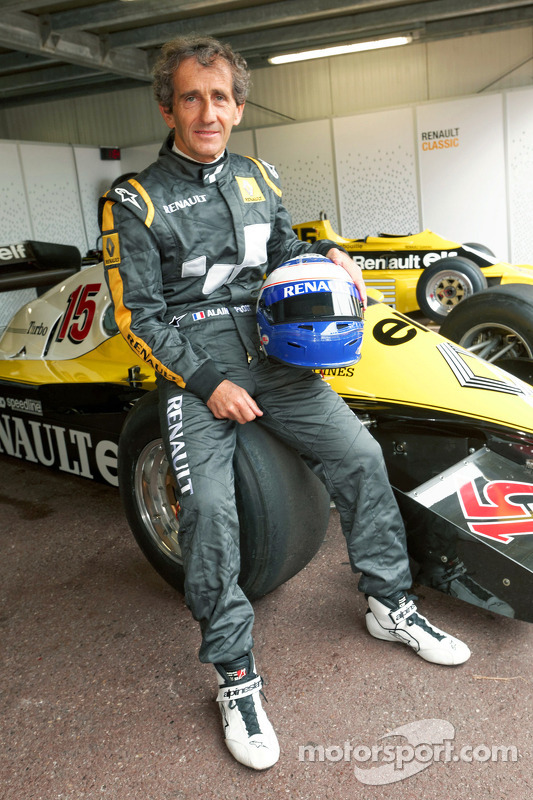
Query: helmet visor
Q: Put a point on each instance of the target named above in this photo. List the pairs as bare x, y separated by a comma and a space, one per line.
315, 306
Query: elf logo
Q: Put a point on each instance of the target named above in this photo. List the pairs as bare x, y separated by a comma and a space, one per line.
12, 252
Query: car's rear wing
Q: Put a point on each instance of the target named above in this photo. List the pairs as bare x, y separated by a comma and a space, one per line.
33, 264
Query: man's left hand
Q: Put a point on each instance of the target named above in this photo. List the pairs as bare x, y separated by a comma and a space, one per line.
343, 260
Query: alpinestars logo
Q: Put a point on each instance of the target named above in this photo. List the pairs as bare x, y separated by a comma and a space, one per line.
127, 197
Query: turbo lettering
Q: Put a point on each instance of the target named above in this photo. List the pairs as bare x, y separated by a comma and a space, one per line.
177, 445
37, 330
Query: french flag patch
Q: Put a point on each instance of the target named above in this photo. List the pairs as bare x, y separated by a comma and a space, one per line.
198, 315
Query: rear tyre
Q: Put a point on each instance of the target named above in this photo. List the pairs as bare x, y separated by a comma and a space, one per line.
445, 284
283, 507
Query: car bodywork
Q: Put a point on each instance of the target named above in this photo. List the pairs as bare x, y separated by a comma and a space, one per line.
456, 431
393, 264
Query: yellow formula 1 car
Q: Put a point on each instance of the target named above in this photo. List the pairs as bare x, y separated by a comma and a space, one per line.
422, 270
456, 432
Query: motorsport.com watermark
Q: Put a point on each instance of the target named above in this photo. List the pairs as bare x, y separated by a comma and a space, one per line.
425, 742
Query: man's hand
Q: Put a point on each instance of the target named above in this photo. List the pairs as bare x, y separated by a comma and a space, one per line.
230, 401
343, 260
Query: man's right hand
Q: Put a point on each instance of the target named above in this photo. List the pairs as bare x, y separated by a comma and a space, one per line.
230, 401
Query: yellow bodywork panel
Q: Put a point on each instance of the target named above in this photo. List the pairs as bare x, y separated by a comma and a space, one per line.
108, 363
405, 364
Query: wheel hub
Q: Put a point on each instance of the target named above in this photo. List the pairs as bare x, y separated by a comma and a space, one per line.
156, 493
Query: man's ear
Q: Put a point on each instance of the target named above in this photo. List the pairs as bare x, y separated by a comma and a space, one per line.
238, 114
167, 116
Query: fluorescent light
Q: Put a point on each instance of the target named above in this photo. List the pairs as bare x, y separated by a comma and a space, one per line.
341, 50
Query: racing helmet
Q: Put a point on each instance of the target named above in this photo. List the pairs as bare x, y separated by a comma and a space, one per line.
309, 314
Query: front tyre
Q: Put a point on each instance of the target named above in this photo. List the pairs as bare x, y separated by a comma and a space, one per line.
283, 507
497, 325
445, 284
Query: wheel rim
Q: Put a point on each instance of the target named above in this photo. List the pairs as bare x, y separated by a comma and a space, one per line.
155, 494
492, 341
447, 290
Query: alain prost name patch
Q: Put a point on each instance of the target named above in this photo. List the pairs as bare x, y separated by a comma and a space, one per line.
209, 313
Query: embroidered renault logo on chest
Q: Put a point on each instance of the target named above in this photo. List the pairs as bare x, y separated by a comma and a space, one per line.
186, 203
250, 191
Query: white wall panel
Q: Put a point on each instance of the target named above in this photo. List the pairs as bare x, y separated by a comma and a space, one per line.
463, 187
520, 174
376, 173
53, 195
94, 178
15, 222
302, 154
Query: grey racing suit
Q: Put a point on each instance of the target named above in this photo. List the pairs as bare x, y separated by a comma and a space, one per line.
186, 247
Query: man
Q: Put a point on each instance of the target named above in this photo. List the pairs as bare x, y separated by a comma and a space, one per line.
187, 244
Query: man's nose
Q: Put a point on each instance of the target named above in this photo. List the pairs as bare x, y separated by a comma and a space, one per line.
208, 111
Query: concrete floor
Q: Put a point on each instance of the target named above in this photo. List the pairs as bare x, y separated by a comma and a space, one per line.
103, 696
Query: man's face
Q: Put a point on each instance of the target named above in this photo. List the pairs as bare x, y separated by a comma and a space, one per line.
204, 110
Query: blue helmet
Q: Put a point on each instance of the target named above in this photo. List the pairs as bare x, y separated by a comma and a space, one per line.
309, 314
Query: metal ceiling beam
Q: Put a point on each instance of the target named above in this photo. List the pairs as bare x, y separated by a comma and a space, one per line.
482, 23
14, 62
14, 84
31, 34
273, 15
115, 12
83, 88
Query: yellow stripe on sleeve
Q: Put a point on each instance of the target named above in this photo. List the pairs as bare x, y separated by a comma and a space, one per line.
123, 319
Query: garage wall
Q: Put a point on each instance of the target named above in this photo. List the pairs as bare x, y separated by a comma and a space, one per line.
461, 167
519, 131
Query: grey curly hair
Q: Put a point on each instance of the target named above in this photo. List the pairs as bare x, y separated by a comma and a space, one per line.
205, 49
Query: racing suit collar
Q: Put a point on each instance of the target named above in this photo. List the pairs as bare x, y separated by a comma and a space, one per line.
193, 170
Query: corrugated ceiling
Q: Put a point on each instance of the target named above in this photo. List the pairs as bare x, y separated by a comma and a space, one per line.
52, 50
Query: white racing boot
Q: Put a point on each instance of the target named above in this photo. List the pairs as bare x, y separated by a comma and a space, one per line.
396, 619
249, 736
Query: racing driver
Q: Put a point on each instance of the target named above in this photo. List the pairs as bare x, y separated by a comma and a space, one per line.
187, 244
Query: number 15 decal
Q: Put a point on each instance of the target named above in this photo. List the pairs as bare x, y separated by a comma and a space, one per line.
79, 315
497, 515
